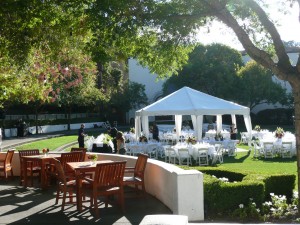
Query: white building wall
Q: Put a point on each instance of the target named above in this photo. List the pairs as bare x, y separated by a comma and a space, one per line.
142, 75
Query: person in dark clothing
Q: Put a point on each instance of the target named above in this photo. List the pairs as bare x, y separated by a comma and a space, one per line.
233, 131
155, 132
81, 135
113, 133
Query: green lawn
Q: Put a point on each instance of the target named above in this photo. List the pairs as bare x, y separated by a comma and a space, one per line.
244, 161
51, 143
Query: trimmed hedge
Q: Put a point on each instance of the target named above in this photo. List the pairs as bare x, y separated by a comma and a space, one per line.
222, 198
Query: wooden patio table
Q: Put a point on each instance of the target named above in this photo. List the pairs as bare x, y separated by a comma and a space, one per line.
81, 168
43, 161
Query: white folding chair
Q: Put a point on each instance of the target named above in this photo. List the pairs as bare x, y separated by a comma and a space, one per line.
268, 149
202, 156
218, 156
170, 155
152, 150
286, 149
231, 148
184, 156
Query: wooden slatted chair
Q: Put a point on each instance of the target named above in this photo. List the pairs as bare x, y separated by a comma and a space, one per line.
66, 157
108, 181
83, 150
137, 178
5, 165
65, 187
32, 167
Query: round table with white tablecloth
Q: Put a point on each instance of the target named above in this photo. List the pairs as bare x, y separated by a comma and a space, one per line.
212, 133
134, 148
193, 149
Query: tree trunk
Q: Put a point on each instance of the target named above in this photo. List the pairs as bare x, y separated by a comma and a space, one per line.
99, 75
36, 120
297, 132
69, 117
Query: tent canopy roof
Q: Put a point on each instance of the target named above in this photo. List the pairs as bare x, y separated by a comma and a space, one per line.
187, 101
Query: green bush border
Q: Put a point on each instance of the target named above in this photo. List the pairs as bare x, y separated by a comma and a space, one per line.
222, 198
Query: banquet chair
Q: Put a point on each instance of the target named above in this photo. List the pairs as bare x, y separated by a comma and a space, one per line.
65, 187
137, 173
108, 181
218, 156
152, 151
202, 156
286, 149
244, 137
268, 149
32, 167
231, 148
5, 165
170, 155
70, 157
257, 150
82, 150
184, 156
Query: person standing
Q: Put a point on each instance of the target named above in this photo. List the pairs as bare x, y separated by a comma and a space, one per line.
233, 131
120, 143
81, 135
155, 131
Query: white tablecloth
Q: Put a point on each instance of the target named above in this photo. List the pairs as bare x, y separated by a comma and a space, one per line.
277, 142
193, 149
142, 147
100, 141
212, 133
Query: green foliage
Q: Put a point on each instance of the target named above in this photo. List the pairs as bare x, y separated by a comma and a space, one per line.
211, 69
247, 213
222, 197
256, 86
133, 96
280, 184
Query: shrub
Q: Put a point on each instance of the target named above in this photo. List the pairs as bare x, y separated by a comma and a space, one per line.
222, 198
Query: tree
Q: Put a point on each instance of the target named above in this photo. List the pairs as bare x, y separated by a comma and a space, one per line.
211, 69
154, 31
256, 86
133, 96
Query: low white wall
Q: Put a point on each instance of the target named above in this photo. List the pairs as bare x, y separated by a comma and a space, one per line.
12, 132
180, 190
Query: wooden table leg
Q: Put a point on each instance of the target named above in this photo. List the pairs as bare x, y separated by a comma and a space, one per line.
43, 175
78, 190
24, 172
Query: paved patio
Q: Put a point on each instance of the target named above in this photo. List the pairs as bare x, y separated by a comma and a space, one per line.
19, 205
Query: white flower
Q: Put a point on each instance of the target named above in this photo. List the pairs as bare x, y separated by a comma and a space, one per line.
241, 206
258, 210
272, 194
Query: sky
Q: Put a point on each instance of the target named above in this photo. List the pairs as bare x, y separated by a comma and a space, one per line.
289, 29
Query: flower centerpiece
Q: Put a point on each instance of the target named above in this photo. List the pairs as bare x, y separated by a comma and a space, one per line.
279, 132
257, 128
107, 138
45, 151
143, 139
219, 136
93, 157
191, 140
132, 130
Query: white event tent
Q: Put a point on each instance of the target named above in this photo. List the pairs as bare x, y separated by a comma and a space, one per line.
187, 101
